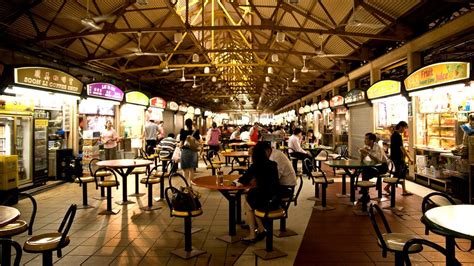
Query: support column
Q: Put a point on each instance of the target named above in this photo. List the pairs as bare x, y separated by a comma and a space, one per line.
414, 61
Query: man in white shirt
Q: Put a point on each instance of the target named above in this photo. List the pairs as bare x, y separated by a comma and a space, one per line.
150, 134
373, 152
294, 147
286, 173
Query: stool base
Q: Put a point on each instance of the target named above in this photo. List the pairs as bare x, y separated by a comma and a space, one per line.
314, 199
193, 230
124, 202
112, 212
321, 208
187, 254
286, 233
137, 195
269, 255
83, 207
229, 239
100, 198
150, 208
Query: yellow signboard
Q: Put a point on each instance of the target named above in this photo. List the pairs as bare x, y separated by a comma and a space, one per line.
41, 122
136, 97
47, 78
437, 74
383, 88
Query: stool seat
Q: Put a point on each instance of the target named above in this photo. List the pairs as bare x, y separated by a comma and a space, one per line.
13, 229
276, 214
341, 172
386, 175
396, 241
44, 242
152, 156
186, 214
103, 173
390, 180
229, 150
321, 158
333, 155
87, 179
240, 167
321, 180
218, 162
215, 166
108, 183
317, 174
159, 174
150, 181
138, 171
365, 184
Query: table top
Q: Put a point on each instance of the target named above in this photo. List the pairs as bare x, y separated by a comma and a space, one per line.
210, 183
124, 163
351, 163
248, 143
8, 215
235, 154
319, 147
454, 220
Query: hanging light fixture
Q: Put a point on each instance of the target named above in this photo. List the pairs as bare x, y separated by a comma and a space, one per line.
294, 76
207, 70
304, 69
178, 36
214, 79
267, 79
195, 58
274, 57
270, 70
280, 37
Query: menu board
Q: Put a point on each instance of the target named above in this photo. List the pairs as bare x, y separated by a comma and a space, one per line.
384, 88
437, 74
47, 78
158, 102
136, 97
354, 96
105, 91
323, 104
336, 101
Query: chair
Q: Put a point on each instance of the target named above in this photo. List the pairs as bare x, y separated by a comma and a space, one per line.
267, 217
319, 178
107, 184
210, 164
414, 242
322, 157
188, 251
149, 181
435, 199
286, 202
101, 174
49, 242
7, 242
341, 172
364, 186
171, 166
293, 159
389, 241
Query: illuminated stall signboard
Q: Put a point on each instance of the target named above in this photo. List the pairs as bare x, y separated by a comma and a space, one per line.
354, 96
47, 78
136, 97
336, 101
384, 88
158, 102
173, 106
323, 104
105, 91
437, 74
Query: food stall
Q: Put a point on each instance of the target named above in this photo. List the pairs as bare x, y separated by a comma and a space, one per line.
307, 119
36, 120
443, 95
155, 111
132, 118
341, 119
390, 107
326, 124
359, 110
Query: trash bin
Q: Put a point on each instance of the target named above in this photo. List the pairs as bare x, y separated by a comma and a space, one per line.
64, 164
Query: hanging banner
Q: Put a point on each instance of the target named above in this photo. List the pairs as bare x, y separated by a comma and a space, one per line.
354, 96
190, 110
437, 74
336, 101
173, 106
47, 78
158, 102
314, 107
301, 110
197, 111
105, 91
384, 88
307, 109
136, 97
323, 104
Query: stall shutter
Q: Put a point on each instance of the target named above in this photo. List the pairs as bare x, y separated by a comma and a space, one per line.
168, 122
361, 122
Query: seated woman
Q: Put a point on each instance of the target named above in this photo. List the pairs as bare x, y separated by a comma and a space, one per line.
265, 174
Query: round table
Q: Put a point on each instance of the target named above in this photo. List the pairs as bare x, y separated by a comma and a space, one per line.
238, 155
231, 193
124, 167
348, 165
315, 150
452, 221
8, 215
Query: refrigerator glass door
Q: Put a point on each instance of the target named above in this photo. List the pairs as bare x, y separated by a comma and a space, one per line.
6, 135
41, 141
23, 147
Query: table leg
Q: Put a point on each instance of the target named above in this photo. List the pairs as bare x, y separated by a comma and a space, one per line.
232, 237
343, 188
124, 175
450, 250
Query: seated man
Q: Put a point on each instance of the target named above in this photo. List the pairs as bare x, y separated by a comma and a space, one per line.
373, 152
167, 147
286, 173
294, 147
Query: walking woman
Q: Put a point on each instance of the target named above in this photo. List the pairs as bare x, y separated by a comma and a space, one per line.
110, 138
264, 173
189, 157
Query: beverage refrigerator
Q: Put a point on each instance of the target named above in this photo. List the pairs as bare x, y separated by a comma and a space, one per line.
16, 139
41, 147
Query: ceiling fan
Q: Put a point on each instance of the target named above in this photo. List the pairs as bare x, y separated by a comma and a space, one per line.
138, 51
194, 83
294, 80
322, 53
354, 21
183, 78
95, 22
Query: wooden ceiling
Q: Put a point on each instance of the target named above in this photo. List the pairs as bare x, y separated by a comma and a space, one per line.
154, 42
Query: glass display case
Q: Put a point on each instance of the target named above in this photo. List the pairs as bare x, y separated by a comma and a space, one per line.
388, 112
438, 131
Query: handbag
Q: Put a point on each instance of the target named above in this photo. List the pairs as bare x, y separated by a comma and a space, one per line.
176, 157
192, 143
185, 199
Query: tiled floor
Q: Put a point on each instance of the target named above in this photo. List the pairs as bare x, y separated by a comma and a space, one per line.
135, 237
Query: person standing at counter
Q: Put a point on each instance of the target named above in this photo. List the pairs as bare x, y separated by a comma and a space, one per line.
161, 131
150, 134
189, 157
109, 138
398, 154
